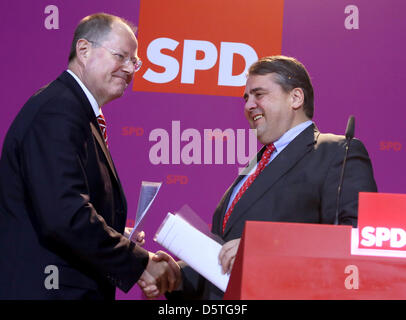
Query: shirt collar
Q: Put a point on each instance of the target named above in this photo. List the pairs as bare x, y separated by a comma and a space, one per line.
291, 134
90, 97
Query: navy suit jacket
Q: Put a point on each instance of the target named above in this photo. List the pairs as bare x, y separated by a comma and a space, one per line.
299, 185
61, 203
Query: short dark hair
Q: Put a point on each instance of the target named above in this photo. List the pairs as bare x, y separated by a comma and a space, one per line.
95, 27
291, 74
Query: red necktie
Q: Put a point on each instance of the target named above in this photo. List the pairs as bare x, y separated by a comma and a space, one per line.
102, 125
261, 166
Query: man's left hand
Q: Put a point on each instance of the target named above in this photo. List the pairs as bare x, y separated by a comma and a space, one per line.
140, 237
227, 255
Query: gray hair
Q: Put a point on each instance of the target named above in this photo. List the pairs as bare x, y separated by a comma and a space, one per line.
95, 28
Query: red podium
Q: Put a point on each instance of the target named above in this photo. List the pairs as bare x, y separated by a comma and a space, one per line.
312, 261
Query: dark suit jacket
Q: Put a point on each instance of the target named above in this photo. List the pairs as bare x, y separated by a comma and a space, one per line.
61, 203
299, 185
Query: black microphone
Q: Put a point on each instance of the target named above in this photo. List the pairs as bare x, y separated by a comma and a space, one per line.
349, 134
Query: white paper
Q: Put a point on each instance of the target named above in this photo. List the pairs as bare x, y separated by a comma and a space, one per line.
191, 217
198, 250
148, 192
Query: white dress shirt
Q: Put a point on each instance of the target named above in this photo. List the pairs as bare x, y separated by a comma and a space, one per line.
92, 100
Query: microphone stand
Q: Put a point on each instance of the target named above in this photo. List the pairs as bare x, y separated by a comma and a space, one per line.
349, 134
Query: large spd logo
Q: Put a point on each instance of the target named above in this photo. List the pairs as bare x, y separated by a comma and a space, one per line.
204, 46
381, 225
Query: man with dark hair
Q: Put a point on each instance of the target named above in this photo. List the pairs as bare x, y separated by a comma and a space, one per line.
289, 74
293, 178
62, 207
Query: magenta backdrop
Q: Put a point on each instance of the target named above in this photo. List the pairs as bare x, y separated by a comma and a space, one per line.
358, 72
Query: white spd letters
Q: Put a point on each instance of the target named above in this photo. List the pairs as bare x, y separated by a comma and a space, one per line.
190, 63
155, 55
227, 51
396, 237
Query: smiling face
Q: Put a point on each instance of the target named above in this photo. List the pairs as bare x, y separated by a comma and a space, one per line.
269, 109
102, 72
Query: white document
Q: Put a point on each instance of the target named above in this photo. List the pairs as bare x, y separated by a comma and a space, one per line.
194, 247
148, 192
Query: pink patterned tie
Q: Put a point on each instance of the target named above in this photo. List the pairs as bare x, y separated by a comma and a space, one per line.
261, 166
102, 125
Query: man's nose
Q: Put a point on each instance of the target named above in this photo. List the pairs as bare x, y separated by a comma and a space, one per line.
250, 104
128, 67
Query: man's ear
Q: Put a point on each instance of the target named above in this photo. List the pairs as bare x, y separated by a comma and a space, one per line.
83, 48
297, 98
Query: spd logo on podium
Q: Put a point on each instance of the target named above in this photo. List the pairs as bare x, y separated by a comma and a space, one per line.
381, 225
204, 46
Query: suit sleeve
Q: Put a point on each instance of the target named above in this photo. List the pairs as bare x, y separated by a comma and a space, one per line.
53, 155
358, 177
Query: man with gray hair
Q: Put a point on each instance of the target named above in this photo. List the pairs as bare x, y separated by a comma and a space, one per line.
62, 207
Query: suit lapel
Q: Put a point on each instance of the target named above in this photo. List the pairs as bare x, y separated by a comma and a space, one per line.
222, 206
69, 81
279, 166
97, 134
100, 140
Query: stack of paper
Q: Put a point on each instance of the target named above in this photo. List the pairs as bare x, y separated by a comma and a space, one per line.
194, 247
